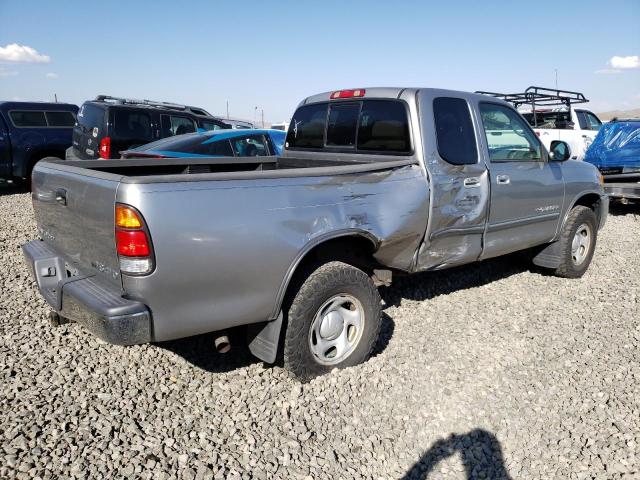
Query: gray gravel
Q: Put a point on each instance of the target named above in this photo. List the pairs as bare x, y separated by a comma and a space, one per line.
488, 371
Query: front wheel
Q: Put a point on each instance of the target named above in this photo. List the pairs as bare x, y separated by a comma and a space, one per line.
577, 243
333, 321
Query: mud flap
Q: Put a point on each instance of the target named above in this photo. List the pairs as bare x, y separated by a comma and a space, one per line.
263, 339
549, 257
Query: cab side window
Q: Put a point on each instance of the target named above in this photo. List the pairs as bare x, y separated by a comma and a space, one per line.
250, 146
454, 131
593, 122
509, 138
28, 119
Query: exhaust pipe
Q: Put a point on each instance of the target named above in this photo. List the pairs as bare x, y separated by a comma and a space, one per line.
55, 319
222, 343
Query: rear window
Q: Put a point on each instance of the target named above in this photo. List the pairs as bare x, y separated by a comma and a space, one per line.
60, 119
454, 131
91, 116
306, 129
342, 124
553, 120
28, 119
380, 126
131, 125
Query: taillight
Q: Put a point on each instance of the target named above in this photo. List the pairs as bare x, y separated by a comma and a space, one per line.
348, 94
105, 148
133, 244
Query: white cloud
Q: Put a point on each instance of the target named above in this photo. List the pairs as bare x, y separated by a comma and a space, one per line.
608, 71
7, 73
22, 54
632, 61
51, 75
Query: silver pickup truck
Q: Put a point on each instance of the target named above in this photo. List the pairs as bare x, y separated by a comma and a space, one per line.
372, 183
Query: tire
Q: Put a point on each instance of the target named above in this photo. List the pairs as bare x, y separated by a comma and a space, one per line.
575, 262
335, 299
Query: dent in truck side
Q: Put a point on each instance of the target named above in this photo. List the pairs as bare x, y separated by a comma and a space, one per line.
227, 252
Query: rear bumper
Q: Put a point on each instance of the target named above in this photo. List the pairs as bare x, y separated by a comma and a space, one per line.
87, 300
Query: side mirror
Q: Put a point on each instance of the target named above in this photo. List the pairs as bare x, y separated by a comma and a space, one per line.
559, 151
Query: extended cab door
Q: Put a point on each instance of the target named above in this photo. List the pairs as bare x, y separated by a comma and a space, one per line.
527, 191
458, 182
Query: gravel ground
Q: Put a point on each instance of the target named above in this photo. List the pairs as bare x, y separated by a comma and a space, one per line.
487, 371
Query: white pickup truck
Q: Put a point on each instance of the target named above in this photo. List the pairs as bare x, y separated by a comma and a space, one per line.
550, 114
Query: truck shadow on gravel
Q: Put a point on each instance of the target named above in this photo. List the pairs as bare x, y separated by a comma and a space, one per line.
428, 285
479, 450
200, 352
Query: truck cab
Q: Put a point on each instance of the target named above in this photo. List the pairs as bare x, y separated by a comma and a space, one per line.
30, 131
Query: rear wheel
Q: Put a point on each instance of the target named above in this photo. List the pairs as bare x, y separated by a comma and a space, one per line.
577, 243
333, 321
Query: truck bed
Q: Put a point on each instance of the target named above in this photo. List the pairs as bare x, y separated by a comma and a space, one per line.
226, 233
152, 170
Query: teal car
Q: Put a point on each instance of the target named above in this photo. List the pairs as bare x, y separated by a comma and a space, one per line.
214, 143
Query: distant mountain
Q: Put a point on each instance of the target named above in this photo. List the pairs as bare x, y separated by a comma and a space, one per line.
633, 113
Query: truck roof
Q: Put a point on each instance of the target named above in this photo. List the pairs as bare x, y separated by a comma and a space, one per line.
8, 105
395, 92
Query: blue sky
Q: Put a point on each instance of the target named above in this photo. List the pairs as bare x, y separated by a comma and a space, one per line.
271, 54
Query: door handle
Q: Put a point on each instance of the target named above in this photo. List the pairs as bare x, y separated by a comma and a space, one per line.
61, 196
503, 180
471, 182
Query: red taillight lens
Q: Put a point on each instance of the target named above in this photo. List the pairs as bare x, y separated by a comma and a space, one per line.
105, 148
132, 243
348, 93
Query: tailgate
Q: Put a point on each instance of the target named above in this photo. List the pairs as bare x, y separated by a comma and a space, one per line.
74, 211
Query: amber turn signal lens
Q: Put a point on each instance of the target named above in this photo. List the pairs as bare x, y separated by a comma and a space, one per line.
127, 217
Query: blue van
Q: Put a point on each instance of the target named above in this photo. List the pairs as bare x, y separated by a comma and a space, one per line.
30, 131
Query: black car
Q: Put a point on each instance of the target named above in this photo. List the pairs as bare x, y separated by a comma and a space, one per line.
107, 125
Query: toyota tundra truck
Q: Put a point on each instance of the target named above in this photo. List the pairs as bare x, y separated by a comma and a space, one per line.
372, 183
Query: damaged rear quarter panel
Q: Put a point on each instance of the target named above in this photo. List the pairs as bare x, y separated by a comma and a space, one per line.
226, 255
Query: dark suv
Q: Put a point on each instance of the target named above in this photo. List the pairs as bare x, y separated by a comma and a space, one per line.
30, 131
108, 125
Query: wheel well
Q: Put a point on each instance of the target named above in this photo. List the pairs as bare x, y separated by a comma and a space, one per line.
590, 200
356, 250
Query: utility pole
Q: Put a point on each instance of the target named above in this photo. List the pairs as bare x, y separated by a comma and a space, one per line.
262, 117
227, 109
55, 96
